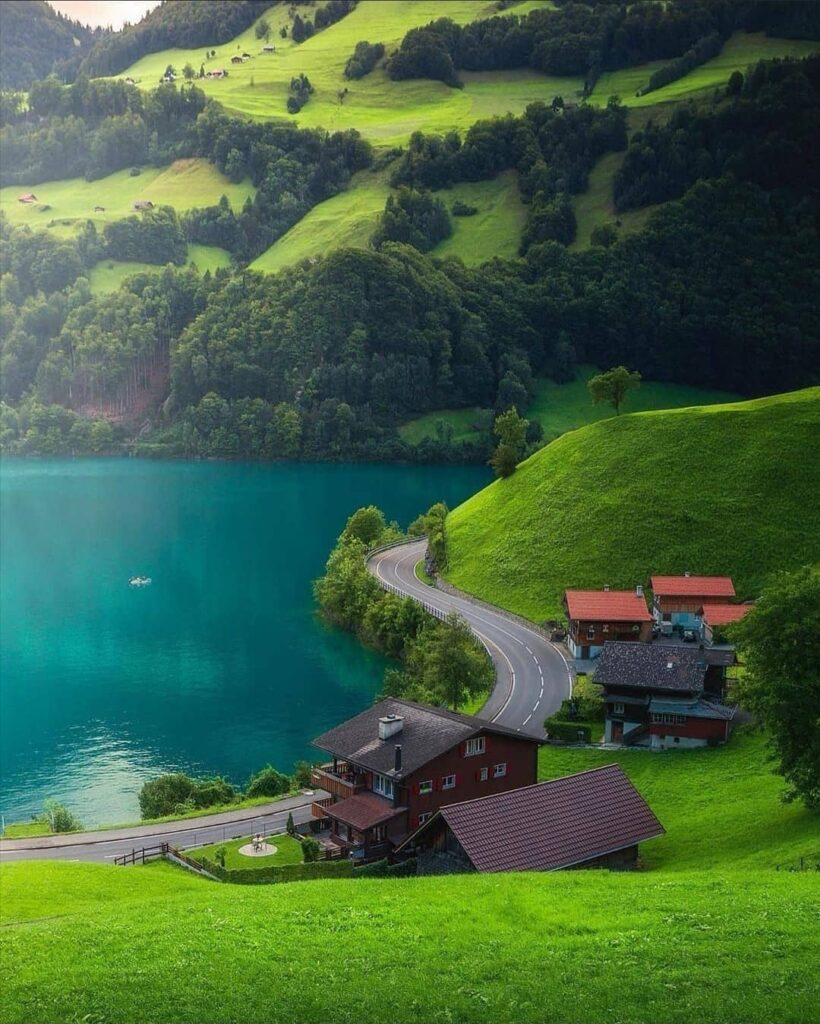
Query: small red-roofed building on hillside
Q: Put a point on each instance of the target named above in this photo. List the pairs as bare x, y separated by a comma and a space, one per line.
678, 601
597, 616
717, 616
593, 819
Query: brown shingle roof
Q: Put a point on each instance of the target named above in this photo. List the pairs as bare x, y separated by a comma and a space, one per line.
426, 733
364, 810
606, 606
554, 824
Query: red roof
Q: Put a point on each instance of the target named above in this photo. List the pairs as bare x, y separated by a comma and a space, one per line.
722, 614
554, 824
364, 810
607, 605
693, 586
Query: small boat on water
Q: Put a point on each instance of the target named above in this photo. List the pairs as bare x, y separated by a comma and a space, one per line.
139, 581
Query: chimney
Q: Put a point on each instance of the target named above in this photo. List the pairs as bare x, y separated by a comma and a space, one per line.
389, 726
639, 591
397, 764
606, 588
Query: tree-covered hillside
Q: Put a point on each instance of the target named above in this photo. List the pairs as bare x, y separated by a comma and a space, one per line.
35, 40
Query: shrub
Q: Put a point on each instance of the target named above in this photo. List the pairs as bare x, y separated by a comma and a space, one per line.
339, 868
268, 782
364, 58
59, 818
177, 793
310, 850
290, 828
568, 732
414, 217
382, 869
462, 209
135, 172
302, 772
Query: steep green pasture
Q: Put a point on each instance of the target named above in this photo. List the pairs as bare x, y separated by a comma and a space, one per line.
740, 51
183, 185
714, 489
108, 275
595, 207
349, 220
562, 407
711, 931
387, 112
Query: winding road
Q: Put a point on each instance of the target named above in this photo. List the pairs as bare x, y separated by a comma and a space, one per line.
532, 676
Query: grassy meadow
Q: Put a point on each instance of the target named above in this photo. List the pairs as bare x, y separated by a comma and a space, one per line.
713, 489
562, 407
288, 851
107, 275
711, 930
183, 185
741, 50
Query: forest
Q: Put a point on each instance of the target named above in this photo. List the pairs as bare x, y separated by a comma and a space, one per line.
37, 41
327, 358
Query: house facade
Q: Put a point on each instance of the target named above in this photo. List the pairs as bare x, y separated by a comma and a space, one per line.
595, 617
394, 765
592, 819
664, 696
678, 602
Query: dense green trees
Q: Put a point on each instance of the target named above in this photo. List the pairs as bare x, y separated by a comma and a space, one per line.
364, 58
511, 431
177, 793
780, 643
415, 218
37, 40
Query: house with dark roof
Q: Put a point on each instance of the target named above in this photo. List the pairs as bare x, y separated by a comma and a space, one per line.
596, 616
678, 602
395, 764
663, 695
593, 819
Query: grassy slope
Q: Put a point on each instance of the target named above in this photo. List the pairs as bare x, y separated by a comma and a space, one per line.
108, 275
384, 111
741, 50
562, 407
733, 943
724, 488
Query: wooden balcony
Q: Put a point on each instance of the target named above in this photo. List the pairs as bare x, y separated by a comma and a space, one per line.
318, 807
341, 780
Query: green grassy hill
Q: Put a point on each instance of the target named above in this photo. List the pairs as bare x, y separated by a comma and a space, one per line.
718, 489
64, 205
711, 931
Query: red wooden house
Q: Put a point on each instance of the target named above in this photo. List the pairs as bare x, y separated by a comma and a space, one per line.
597, 616
679, 601
397, 762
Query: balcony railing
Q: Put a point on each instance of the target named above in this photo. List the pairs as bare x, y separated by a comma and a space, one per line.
318, 807
341, 782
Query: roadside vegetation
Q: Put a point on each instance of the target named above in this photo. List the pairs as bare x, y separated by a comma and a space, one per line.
723, 489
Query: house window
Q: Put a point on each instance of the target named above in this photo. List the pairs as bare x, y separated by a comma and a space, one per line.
425, 787
378, 833
668, 719
606, 627
383, 785
483, 774
590, 632
448, 782
474, 746
500, 770
617, 709
425, 817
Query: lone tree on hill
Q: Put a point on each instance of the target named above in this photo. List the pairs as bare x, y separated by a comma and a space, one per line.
780, 641
511, 431
613, 386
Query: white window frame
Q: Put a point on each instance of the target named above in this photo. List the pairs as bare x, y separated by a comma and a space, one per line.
425, 816
426, 787
618, 709
590, 632
383, 786
484, 774
448, 782
605, 627
475, 746
500, 770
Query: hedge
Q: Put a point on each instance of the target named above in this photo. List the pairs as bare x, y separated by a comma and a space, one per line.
382, 869
341, 868
569, 732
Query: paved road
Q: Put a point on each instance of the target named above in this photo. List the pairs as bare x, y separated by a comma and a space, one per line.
532, 675
105, 846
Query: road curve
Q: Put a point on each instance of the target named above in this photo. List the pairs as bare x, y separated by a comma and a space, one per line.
104, 846
532, 676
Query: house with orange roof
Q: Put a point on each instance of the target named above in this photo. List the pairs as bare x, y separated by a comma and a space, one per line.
597, 616
678, 602
716, 616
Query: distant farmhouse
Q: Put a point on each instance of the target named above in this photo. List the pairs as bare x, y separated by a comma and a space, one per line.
596, 616
27, 198
663, 695
143, 204
593, 819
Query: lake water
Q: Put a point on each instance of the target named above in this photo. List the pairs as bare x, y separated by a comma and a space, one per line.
221, 664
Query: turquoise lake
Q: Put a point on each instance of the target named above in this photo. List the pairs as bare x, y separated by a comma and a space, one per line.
220, 665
